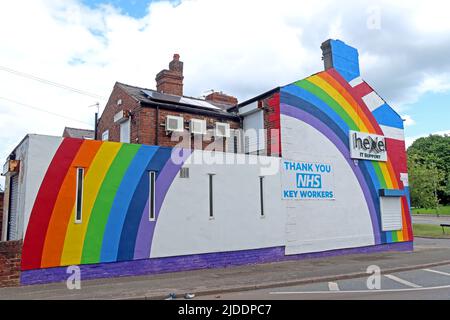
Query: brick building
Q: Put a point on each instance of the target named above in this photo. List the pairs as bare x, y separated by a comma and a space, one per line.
159, 117
120, 209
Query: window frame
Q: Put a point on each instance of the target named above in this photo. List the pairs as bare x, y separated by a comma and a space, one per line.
261, 197
151, 196
79, 195
105, 134
390, 222
211, 195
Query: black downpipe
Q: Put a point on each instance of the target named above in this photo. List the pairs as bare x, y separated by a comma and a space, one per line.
242, 135
96, 126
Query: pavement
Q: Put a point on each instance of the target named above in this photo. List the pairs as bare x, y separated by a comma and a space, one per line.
430, 219
210, 283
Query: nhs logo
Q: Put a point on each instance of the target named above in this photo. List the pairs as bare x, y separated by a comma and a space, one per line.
309, 181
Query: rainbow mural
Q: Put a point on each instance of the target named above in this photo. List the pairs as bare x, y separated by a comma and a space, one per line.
327, 102
115, 224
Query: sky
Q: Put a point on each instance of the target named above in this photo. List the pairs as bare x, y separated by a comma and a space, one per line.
59, 58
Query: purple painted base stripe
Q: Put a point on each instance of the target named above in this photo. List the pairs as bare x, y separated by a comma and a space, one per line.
193, 262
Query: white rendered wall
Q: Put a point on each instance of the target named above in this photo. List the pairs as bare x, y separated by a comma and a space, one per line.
184, 226
36, 160
321, 225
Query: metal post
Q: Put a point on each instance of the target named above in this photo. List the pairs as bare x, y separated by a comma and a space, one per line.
96, 126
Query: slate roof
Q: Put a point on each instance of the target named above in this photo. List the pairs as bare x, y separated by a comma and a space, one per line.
79, 133
150, 96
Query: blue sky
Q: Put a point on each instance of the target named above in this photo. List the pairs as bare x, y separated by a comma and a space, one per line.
431, 113
240, 47
134, 8
421, 114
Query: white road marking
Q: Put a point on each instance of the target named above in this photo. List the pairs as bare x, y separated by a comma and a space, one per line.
363, 291
438, 272
333, 286
402, 281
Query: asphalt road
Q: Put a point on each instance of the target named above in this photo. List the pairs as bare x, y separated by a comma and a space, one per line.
428, 219
424, 284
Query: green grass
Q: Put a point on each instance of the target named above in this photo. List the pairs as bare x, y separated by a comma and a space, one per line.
444, 210
430, 231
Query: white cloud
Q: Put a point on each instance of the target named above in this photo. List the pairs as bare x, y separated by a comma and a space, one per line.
408, 121
240, 47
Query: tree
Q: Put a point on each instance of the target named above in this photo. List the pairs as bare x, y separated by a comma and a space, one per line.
429, 171
423, 184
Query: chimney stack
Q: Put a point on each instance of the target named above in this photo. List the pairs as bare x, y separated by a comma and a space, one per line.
222, 98
342, 57
171, 81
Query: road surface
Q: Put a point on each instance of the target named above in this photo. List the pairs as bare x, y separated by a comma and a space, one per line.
429, 284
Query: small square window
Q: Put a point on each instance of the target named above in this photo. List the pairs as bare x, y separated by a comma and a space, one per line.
105, 135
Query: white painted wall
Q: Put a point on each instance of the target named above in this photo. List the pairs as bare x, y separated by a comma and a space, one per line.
321, 225
184, 226
36, 154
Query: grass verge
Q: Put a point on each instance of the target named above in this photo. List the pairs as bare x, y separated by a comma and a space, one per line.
430, 231
444, 210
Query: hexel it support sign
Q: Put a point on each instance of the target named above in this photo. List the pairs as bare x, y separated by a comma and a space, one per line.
367, 146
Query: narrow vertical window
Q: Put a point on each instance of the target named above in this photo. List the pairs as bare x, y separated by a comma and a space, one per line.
79, 199
261, 195
151, 201
211, 196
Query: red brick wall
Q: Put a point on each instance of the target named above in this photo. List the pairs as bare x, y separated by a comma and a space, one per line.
271, 106
10, 258
220, 97
170, 82
148, 131
106, 121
